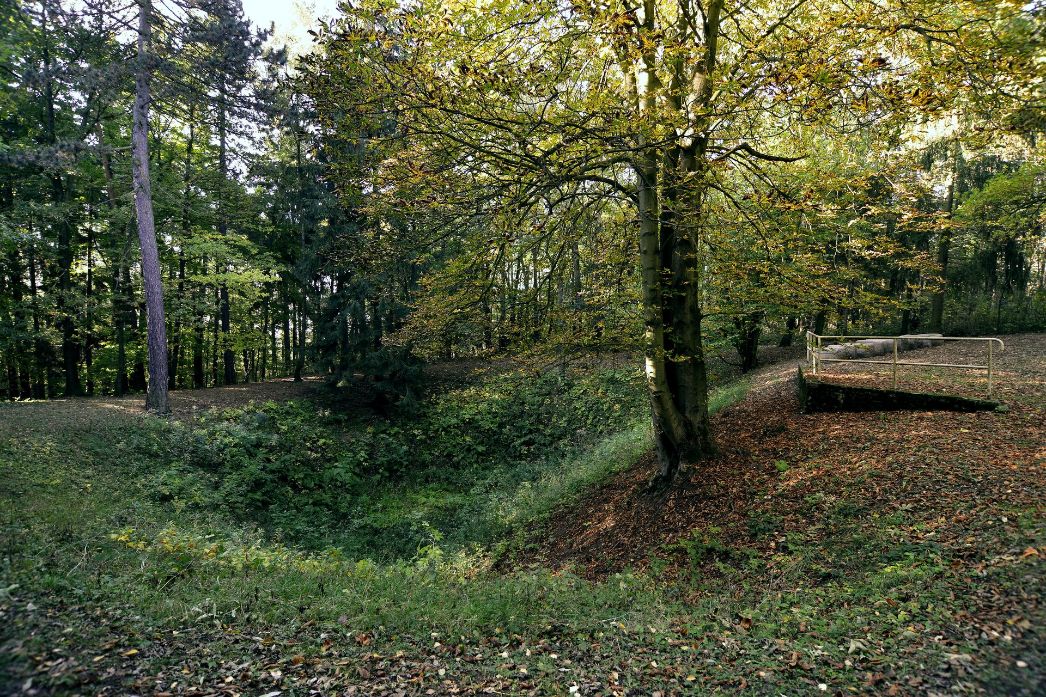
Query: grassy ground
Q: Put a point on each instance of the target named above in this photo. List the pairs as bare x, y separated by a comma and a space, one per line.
895, 553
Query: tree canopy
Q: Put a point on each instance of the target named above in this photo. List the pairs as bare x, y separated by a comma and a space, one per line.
438, 180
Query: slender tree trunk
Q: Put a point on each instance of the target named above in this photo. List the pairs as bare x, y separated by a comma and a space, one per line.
275, 370
286, 362
66, 254
265, 337
176, 352
42, 348
944, 243
89, 294
177, 349
11, 286
228, 355
119, 300
15, 319
23, 388
216, 331
139, 317
120, 312
199, 377
156, 397
301, 324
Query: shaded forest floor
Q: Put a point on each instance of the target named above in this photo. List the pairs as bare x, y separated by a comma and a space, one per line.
772, 458
876, 553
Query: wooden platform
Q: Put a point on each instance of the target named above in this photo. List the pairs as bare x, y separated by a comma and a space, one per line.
818, 395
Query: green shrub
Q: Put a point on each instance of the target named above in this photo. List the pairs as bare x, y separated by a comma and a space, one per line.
473, 462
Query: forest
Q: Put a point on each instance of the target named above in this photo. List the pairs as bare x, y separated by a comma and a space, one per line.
451, 347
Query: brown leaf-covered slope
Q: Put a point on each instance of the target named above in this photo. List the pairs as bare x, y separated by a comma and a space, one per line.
772, 458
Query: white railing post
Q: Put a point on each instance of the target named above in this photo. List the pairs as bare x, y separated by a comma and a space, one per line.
990, 342
895, 363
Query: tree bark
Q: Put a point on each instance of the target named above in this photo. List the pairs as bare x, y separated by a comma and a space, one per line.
156, 396
944, 242
228, 355
66, 254
669, 252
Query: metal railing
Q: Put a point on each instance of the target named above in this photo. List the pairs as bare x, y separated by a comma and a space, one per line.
814, 347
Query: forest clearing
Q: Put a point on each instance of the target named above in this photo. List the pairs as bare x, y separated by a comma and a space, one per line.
559, 347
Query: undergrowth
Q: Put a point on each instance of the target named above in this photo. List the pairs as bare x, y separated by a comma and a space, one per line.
389, 524
292, 523
464, 469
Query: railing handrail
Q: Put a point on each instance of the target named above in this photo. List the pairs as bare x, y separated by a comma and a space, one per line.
927, 337
814, 347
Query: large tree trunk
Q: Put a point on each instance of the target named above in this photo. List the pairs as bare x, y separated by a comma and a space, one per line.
669, 248
674, 368
156, 397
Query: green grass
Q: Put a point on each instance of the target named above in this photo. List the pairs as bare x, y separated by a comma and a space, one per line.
102, 518
177, 515
80, 520
127, 507
469, 466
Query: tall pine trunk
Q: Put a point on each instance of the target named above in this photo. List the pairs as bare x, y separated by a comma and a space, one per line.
66, 255
156, 397
228, 356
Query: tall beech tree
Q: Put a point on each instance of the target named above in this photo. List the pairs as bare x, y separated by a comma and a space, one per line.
500, 103
439, 180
